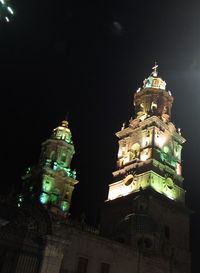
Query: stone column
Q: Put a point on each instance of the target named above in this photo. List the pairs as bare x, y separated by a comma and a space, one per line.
53, 254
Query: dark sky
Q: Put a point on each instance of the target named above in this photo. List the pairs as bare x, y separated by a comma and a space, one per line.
88, 58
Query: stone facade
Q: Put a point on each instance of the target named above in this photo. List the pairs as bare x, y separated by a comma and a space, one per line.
144, 222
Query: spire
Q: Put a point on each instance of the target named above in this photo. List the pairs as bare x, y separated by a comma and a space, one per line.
155, 70
67, 117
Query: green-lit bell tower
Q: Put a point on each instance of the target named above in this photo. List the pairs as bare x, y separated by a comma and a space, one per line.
58, 179
51, 182
147, 197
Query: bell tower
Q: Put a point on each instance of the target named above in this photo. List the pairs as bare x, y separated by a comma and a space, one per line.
52, 181
147, 197
58, 179
149, 154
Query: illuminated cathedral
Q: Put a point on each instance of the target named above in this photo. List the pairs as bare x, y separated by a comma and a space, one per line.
144, 222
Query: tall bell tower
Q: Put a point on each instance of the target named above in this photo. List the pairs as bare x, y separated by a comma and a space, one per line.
52, 181
147, 197
58, 179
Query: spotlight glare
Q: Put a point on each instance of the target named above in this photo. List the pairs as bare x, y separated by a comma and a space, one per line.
10, 10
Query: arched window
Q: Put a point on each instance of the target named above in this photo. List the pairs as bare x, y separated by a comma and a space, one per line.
53, 155
63, 157
136, 149
55, 196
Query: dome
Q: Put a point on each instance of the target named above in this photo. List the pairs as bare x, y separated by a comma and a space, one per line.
153, 81
63, 132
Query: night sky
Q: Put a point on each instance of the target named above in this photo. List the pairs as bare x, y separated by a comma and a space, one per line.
88, 58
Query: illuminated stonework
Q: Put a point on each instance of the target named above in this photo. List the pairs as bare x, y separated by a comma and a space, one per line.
150, 147
63, 132
146, 206
58, 179
52, 182
153, 99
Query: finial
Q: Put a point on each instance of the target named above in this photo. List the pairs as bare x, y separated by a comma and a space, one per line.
155, 70
123, 126
65, 123
67, 116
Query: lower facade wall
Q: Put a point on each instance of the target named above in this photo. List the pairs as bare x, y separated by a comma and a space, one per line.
121, 259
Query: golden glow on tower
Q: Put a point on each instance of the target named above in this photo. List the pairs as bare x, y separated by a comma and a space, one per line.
153, 99
63, 132
150, 147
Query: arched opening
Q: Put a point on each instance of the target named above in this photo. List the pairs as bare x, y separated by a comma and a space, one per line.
63, 157
53, 155
55, 196
136, 149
